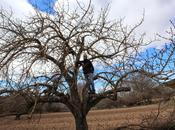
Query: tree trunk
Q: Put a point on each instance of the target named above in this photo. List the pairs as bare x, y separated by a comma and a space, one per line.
80, 122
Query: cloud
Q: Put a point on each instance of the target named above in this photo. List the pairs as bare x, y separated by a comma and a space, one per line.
156, 20
20, 8
157, 14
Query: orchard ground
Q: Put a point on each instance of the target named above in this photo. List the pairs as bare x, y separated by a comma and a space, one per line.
97, 119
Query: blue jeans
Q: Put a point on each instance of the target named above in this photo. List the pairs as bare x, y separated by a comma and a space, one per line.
89, 79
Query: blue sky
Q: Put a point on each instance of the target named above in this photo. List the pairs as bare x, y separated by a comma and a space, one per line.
43, 5
157, 12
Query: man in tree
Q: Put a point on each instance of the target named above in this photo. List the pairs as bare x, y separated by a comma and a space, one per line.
88, 71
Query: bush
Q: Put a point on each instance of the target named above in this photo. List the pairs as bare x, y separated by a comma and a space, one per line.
106, 104
52, 107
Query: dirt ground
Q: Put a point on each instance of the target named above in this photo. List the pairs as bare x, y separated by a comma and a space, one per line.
97, 119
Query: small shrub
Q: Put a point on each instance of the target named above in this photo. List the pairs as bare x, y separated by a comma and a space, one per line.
163, 119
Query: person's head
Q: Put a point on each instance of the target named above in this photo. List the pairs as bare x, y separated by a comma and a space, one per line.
85, 56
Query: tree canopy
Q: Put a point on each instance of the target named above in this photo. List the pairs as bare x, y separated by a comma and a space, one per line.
38, 56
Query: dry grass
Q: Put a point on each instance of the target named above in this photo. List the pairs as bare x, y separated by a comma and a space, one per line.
97, 119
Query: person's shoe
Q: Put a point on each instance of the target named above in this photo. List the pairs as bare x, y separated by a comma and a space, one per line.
92, 92
89, 92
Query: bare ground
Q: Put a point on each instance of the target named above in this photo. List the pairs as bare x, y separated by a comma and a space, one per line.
97, 119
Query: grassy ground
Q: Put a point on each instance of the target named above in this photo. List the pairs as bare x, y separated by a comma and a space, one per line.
97, 119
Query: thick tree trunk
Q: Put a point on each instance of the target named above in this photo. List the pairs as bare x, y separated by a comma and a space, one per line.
80, 122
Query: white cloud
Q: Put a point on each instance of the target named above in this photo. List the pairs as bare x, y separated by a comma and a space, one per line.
156, 20
157, 12
20, 8
157, 15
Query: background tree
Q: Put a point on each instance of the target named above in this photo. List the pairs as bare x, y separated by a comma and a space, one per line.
40, 53
142, 90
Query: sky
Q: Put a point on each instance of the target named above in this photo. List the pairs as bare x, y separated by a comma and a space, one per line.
156, 20
43, 5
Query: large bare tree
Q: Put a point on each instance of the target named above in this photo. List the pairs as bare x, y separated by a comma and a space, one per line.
39, 54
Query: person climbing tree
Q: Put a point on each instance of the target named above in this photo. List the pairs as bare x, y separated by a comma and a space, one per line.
88, 70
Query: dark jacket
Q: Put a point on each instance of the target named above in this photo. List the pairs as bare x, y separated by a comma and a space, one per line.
87, 66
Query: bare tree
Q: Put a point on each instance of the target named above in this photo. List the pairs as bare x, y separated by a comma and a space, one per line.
142, 89
45, 48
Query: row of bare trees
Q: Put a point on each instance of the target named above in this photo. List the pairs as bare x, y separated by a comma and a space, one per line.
38, 56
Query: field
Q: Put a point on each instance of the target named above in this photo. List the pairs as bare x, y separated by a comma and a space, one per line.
97, 119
